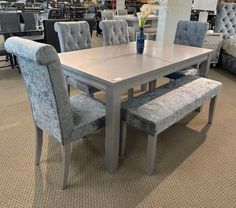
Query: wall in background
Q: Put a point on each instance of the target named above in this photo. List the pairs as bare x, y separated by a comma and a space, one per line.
170, 12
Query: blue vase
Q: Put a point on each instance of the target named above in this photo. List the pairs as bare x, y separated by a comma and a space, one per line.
140, 41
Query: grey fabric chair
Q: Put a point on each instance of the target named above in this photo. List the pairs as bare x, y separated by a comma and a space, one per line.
62, 117
189, 33
75, 36
115, 32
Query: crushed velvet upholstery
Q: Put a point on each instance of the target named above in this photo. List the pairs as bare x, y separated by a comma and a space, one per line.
189, 33
64, 118
226, 24
115, 32
75, 36
156, 110
226, 19
228, 62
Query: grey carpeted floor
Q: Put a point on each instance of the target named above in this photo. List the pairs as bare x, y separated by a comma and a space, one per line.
196, 163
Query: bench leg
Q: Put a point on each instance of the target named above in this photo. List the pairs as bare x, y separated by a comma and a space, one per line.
68, 89
66, 157
123, 138
151, 154
130, 93
212, 110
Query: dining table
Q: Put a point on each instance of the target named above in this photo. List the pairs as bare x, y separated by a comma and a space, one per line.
115, 69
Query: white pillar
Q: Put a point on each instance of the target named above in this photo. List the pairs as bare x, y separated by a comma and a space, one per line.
120, 4
103, 2
171, 11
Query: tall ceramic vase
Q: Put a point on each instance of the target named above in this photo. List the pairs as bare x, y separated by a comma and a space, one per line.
140, 41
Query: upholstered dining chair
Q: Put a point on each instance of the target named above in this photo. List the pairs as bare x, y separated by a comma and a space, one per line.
64, 118
115, 32
75, 36
190, 33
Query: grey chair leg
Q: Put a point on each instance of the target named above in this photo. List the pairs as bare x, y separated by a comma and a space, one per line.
91, 95
68, 89
123, 136
66, 157
144, 87
130, 93
11, 61
212, 110
151, 154
38, 144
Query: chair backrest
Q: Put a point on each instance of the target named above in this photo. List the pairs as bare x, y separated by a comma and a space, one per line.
9, 21
73, 35
30, 19
122, 12
190, 33
107, 15
42, 73
50, 34
115, 32
226, 19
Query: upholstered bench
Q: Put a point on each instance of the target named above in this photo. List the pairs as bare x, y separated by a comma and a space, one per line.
156, 110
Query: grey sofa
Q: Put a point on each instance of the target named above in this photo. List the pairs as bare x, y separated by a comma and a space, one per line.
226, 24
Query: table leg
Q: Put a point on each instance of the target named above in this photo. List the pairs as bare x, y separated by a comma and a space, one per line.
112, 129
204, 67
203, 72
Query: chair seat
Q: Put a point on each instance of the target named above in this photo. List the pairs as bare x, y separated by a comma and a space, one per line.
156, 110
88, 114
80, 85
184, 72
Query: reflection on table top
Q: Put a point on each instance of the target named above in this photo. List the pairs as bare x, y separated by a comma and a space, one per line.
113, 64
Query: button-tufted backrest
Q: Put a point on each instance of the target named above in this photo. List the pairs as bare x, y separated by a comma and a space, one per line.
226, 19
42, 73
73, 35
115, 32
190, 33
